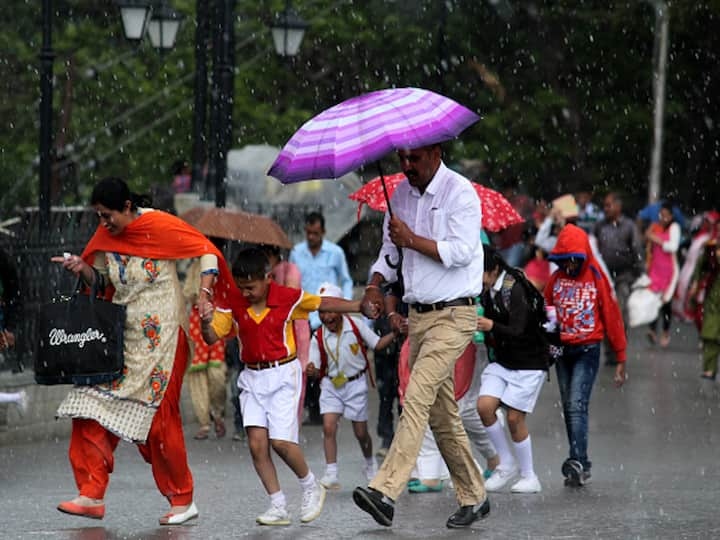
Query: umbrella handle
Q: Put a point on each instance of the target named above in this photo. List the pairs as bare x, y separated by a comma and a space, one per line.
395, 265
385, 191
391, 264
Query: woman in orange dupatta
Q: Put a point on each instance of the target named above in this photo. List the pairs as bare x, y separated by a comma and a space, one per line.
132, 256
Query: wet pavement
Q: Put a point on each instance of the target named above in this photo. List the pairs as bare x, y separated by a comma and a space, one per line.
653, 445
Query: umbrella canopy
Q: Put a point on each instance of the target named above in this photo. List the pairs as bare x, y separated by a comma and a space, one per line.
497, 212
365, 128
651, 213
236, 225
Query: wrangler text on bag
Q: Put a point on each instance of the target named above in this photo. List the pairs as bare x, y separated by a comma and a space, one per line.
58, 336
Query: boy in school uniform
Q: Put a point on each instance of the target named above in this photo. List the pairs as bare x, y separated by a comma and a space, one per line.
262, 313
338, 354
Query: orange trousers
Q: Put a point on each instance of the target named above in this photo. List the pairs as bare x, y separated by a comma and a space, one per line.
92, 446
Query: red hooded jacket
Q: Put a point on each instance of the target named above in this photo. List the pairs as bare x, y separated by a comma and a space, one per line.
586, 305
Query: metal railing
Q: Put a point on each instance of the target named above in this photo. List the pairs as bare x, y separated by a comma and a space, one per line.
40, 280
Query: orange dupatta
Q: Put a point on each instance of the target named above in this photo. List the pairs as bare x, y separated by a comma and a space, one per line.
159, 235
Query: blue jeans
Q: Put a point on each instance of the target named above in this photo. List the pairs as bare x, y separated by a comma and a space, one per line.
576, 371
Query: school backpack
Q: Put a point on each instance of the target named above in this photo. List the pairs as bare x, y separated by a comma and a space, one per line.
538, 314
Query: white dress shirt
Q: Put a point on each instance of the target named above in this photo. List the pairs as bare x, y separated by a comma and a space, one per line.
343, 350
448, 213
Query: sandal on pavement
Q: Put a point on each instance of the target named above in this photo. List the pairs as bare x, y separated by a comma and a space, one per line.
95, 511
425, 488
182, 517
202, 434
219, 429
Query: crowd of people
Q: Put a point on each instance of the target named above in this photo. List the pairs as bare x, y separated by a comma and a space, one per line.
552, 291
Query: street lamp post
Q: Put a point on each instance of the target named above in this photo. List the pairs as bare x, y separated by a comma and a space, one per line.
215, 18
221, 96
200, 108
163, 27
662, 20
135, 15
288, 31
47, 57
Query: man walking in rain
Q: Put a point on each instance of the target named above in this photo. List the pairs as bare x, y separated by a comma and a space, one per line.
436, 222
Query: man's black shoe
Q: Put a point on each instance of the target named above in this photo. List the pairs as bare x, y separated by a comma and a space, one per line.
380, 507
466, 515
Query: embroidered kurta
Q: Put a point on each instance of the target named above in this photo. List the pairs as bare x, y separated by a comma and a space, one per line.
150, 290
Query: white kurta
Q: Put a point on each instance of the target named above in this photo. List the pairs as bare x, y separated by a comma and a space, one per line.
151, 291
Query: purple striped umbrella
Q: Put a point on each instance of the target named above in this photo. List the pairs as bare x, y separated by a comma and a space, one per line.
365, 128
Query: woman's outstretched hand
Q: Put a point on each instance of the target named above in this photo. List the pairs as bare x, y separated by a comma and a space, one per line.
73, 263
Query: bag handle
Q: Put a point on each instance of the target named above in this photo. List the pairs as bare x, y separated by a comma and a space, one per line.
94, 288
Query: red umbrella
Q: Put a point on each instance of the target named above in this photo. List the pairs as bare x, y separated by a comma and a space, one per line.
497, 212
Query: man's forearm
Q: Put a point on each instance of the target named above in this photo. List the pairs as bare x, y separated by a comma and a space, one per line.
425, 246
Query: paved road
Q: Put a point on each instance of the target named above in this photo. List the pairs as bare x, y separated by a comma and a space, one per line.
653, 446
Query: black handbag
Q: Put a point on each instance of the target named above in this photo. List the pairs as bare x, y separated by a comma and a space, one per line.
80, 340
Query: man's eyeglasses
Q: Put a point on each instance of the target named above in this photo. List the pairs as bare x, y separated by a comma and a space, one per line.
107, 216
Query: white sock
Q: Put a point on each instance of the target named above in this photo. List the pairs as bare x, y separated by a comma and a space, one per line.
308, 482
523, 451
278, 499
10, 397
331, 469
497, 436
370, 461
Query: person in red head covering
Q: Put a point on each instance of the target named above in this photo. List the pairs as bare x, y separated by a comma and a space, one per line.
587, 310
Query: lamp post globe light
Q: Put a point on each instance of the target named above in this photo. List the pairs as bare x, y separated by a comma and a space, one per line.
288, 31
163, 27
135, 16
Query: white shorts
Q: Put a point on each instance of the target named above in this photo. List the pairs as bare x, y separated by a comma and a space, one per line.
516, 388
270, 398
350, 400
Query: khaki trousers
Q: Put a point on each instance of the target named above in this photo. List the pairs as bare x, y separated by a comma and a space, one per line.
437, 339
208, 392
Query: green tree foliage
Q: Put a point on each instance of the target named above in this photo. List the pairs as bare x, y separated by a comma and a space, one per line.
564, 88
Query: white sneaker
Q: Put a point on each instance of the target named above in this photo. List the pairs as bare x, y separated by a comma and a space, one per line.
23, 402
275, 515
501, 478
312, 503
370, 471
330, 481
529, 484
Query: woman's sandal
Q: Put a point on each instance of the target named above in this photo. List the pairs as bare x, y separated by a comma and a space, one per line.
182, 517
95, 511
425, 488
202, 434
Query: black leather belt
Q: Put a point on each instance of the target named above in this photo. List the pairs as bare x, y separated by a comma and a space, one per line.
357, 375
353, 378
267, 365
437, 306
